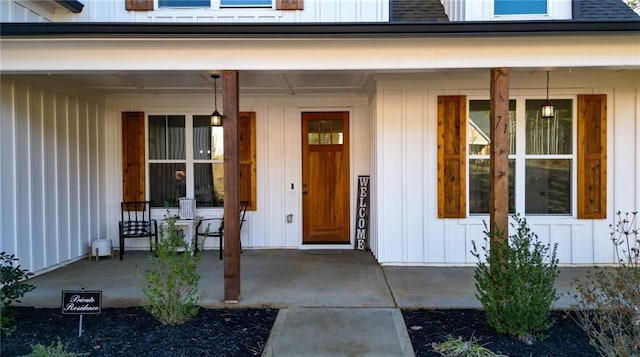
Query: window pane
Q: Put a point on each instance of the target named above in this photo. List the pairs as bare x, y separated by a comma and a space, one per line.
337, 126
325, 138
520, 7
184, 3
479, 127
336, 139
168, 183
245, 2
549, 136
205, 188
166, 137
548, 186
314, 139
480, 186
201, 137
325, 126
217, 143
313, 125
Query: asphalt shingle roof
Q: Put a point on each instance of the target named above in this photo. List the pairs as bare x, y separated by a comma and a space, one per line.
417, 11
602, 10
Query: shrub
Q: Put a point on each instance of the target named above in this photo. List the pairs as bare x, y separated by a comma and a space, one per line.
53, 350
172, 281
457, 347
518, 294
608, 299
12, 280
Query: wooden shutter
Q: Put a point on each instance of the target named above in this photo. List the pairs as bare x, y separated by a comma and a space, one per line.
247, 158
139, 5
288, 4
592, 156
133, 155
452, 131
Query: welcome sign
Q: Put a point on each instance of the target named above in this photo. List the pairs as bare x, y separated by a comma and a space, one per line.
79, 302
362, 213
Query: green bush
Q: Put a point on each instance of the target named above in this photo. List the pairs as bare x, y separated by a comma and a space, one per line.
54, 350
518, 293
12, 280
172, 281
608, 299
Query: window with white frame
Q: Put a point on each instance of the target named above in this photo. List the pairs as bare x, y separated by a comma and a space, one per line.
519, 7
185, 160
245, 3
541, 157
184, 3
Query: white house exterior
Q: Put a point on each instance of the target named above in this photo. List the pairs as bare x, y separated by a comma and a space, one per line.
66, 85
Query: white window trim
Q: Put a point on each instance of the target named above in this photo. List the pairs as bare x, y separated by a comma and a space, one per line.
188, 161
520, 156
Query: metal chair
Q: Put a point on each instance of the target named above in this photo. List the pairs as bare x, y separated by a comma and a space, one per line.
218, 232
136, 222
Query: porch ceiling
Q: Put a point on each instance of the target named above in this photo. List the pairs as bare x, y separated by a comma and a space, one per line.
255, 82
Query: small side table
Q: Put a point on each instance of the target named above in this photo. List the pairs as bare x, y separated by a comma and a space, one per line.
188, 226
100, 248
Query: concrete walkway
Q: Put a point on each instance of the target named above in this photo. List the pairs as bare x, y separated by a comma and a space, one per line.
331, 302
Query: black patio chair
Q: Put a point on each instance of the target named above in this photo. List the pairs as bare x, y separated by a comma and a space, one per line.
219, 231
136, 222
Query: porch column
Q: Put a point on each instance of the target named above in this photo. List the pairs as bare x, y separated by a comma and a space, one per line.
499, 161
230, 101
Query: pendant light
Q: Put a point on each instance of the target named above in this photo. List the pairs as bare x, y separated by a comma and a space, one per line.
216, 117
547, 110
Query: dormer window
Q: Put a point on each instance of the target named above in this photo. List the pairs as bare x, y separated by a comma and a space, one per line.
245, 3
184, 3
518, 7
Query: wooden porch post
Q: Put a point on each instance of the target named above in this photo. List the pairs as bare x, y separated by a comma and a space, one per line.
230, 100
499, 162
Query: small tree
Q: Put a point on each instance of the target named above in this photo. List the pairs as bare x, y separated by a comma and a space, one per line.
608, 299
14, 286
172, 281
518, 296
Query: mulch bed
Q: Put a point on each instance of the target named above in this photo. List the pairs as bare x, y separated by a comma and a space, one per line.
427, 327
135, 332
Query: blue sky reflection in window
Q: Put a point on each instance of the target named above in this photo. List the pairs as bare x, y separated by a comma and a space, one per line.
260, 3
184, 3
520, 7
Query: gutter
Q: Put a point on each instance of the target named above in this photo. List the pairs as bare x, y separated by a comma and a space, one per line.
71, 5
328, 30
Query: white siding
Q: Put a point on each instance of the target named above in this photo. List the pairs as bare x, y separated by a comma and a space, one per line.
50, 178
407, 227
278, 151
114, 11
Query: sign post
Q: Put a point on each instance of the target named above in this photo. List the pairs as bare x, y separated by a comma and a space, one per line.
80, 302
362, 214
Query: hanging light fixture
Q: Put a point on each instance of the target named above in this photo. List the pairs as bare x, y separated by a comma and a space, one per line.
547, 110
216, 117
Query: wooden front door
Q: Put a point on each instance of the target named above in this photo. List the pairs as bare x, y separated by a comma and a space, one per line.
325, 177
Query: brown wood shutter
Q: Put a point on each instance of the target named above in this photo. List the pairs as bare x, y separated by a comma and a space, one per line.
133, 155
139, 5
289, 5
452, 131
592, 156
247, 158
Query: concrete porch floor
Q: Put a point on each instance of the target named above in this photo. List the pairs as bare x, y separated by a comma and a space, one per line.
284, 278
347, 290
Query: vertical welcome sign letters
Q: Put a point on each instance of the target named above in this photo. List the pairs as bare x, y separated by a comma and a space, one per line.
362, 213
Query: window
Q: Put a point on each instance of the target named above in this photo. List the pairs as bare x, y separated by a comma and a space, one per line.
245, 3
185, 159
519, 7
184, 3
541, 157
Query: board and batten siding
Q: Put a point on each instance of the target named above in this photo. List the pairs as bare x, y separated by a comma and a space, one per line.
314, 11
278, 158
407, 226
52, 202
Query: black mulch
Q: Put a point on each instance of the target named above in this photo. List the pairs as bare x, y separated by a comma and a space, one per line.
425, 327
134, 332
